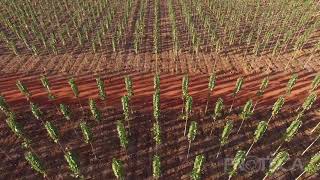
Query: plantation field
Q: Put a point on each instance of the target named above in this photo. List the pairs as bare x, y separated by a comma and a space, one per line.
159, 89
173, 36
173, 150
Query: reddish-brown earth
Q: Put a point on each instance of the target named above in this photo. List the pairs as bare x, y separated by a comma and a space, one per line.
145, 62
173, 151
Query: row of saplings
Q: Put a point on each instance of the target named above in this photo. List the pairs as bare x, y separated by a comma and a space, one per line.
117, 165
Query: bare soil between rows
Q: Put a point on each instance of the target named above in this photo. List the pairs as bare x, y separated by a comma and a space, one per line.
78, 64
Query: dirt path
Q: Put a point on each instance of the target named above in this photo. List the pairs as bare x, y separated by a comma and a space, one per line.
87, 62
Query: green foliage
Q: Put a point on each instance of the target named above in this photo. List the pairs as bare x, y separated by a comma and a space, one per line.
185, 86
156, 82
74, 87
101, 88
292, 81
263, 86
122, 135
86, 132
280, 159
125, 106
65, 110
4, 105
35, 163
94, 110
218, 108
292, 130
15, 127
238, 86
212, 82
226, 132
51, 96
129, 88
277, 106
28, 29
73, 164
156, 167
192, 131
45, 82
247, 110
307, 104
237, 161
118, 170
188, 106
299, 116
156, 105
314, 165
156, 27
23, 89
259, 132
197, 166
315, 83
156, 131
52, 131
37, 113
